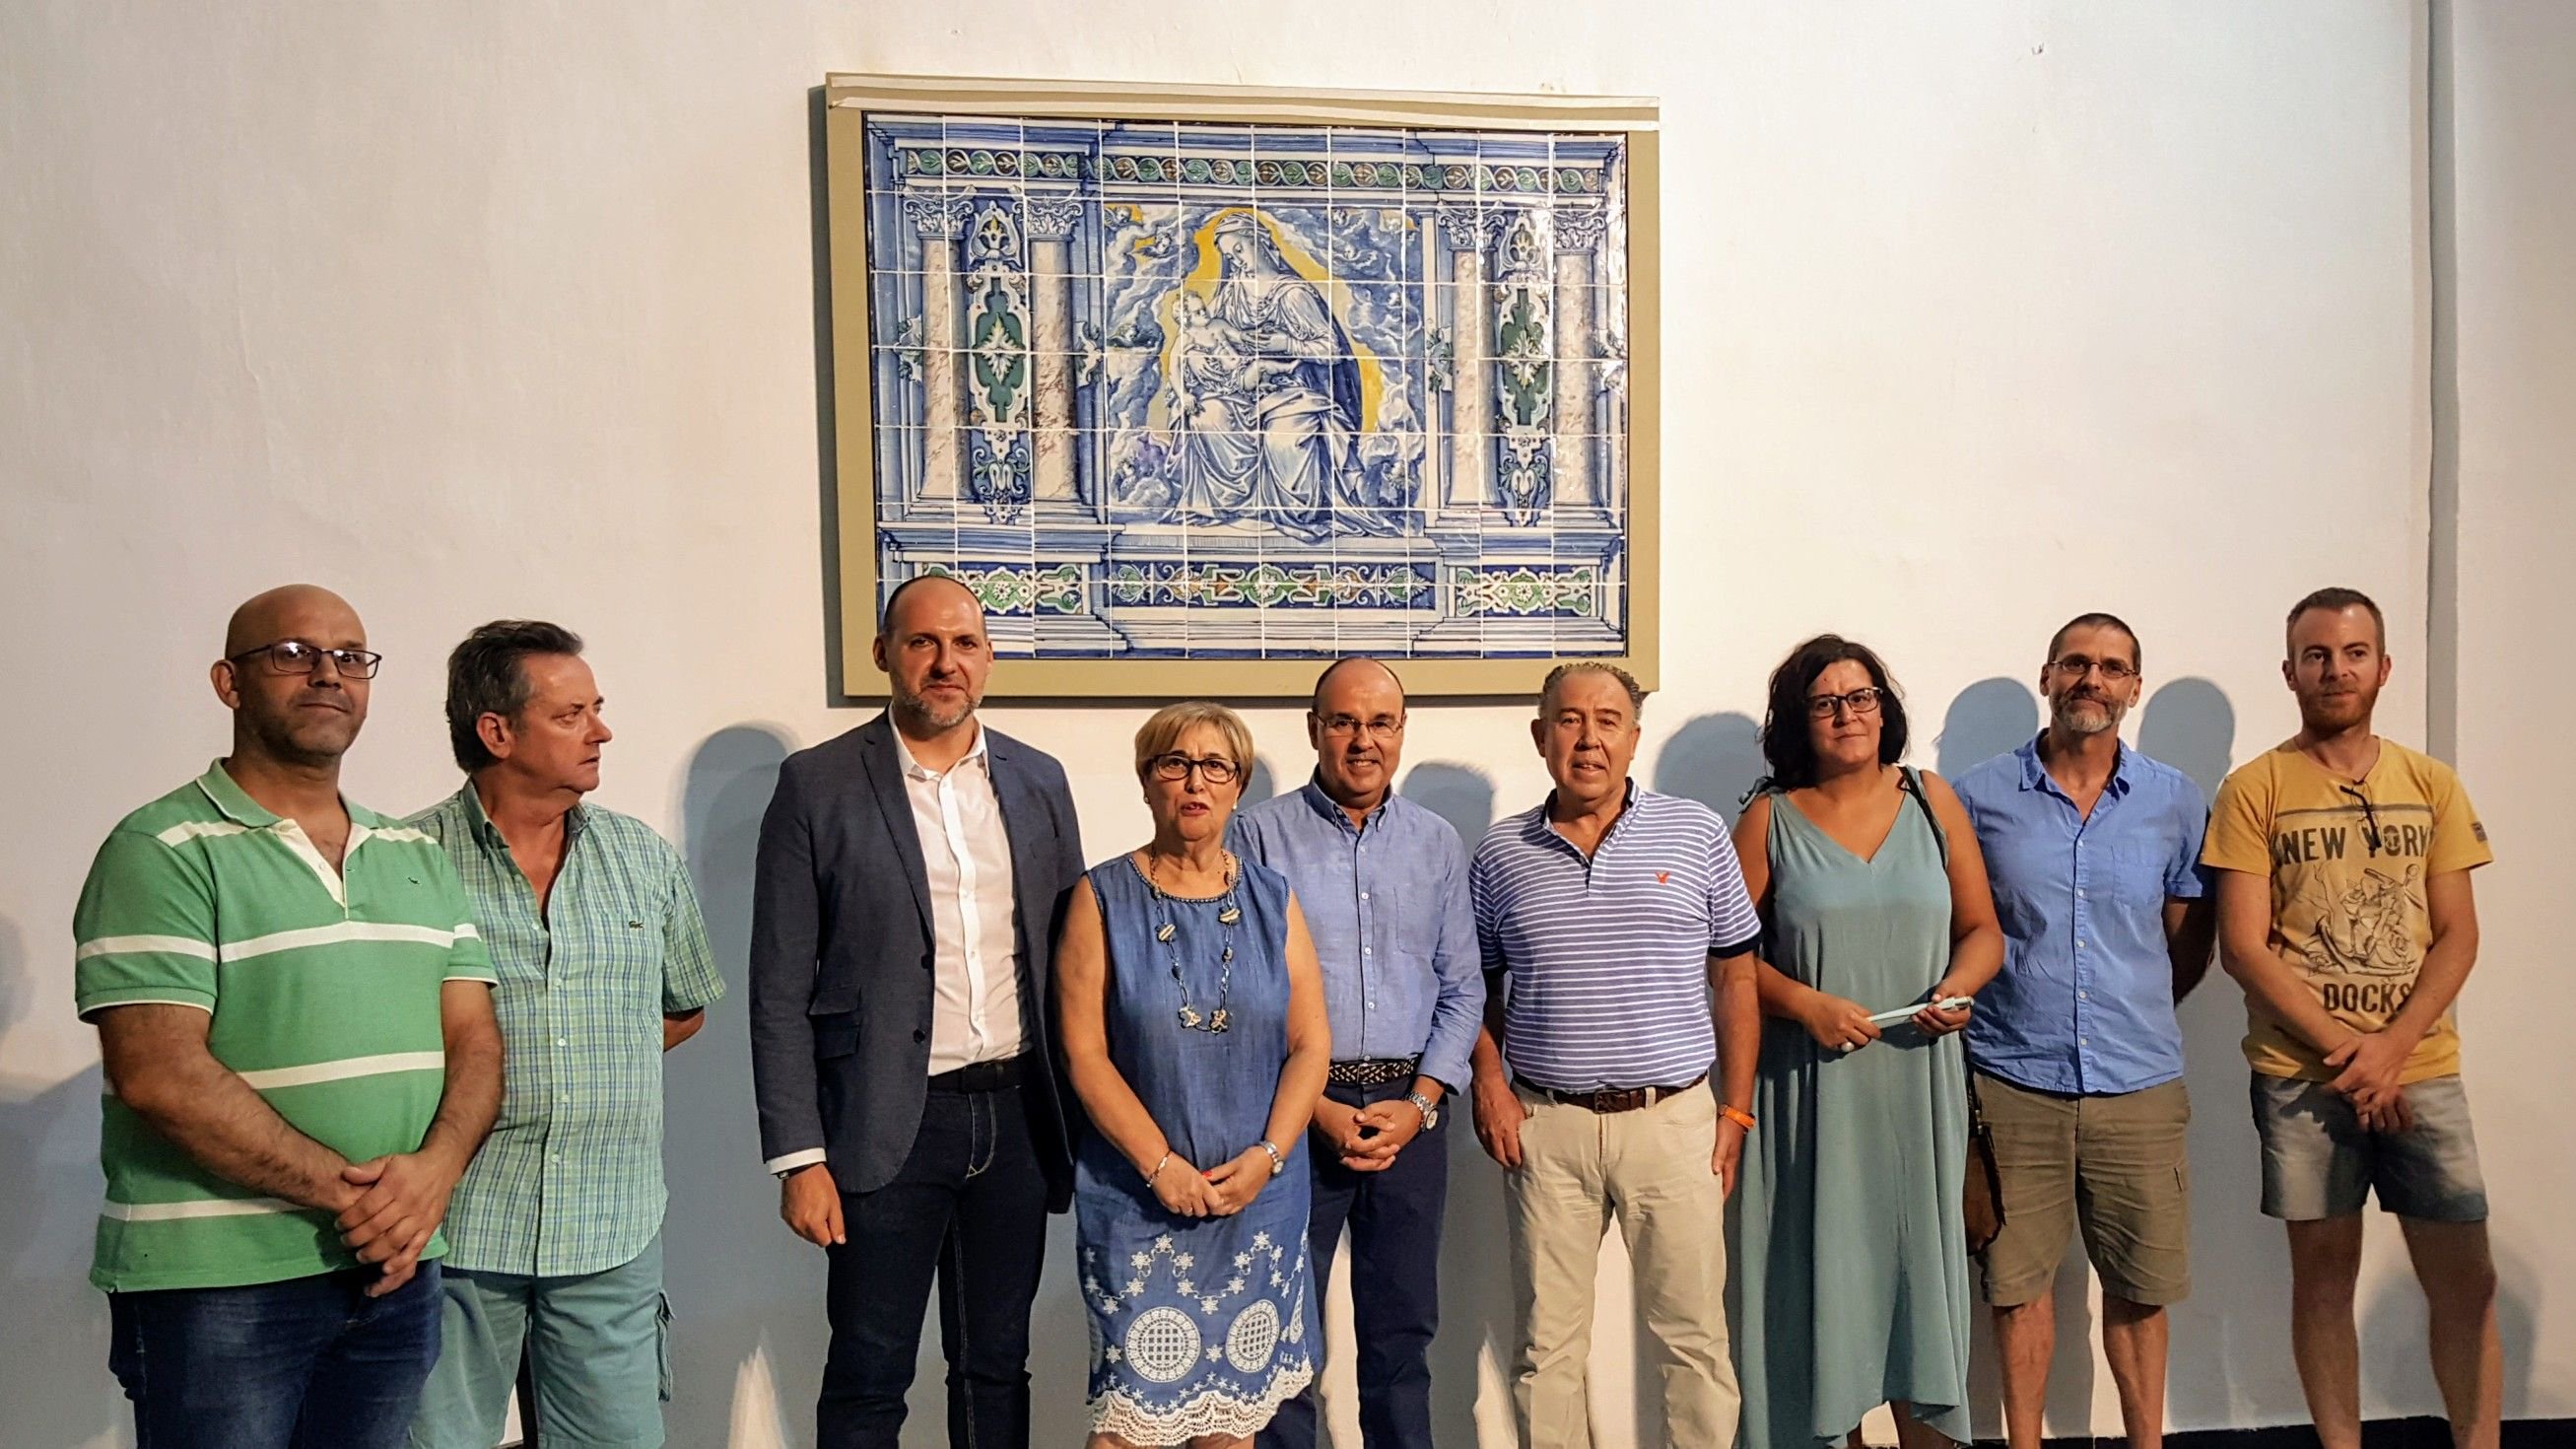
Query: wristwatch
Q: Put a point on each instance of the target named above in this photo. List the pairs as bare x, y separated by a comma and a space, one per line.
1430, 1113
1278, 1161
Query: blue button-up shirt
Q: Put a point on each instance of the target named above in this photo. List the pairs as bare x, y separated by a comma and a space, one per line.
2085, 1004
1393, 930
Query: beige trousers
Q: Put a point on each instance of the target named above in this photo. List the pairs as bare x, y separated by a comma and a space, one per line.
1648, 1171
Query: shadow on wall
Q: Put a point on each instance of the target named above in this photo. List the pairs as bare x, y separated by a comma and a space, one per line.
1988, 718
746, 1341
2189, 725
1475, 1275
2231, 1341
54, 1382
1713, 759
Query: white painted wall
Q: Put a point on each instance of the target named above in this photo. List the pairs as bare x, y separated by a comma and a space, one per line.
2515, 118
1974, 318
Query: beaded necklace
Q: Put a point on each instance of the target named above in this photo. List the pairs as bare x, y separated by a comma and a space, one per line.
1165, 931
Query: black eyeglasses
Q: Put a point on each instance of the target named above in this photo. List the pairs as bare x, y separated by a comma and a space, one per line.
294, 656
1215, 769
1863, 700
2114, 671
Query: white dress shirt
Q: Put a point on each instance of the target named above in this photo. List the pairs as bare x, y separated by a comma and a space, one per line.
975, 1009
975, 1006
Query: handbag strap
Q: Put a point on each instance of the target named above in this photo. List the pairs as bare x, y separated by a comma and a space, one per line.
1913, 784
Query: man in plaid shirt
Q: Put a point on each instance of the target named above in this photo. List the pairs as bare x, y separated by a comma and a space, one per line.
555, 1230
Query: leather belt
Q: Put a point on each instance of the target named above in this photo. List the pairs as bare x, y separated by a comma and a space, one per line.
1612, 1099
985, 1076
1373, 1071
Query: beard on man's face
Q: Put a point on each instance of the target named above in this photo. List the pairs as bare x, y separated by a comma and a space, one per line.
2085, 714
940, 711
2338, 706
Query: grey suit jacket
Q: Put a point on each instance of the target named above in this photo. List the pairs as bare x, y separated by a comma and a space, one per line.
842, 956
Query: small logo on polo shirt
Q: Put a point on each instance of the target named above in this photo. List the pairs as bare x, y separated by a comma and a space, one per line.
1663, 877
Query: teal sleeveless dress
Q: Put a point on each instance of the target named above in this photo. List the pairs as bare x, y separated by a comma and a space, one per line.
1849, 1286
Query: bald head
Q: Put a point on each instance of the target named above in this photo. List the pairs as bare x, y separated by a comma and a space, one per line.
280, 716
931, 645
1357, 729
294, 611
1356, 666
938, 592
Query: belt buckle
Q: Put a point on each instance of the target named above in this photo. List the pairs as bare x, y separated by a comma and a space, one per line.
1610, 1101
1372, 1071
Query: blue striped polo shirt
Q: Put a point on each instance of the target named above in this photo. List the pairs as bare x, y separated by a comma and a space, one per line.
1608, 956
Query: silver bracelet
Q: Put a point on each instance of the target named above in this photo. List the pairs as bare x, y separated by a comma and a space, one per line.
1158, 1169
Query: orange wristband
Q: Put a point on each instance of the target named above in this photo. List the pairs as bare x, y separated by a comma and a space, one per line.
1736, 1115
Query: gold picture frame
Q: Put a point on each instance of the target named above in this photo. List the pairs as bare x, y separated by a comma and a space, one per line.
1161, 372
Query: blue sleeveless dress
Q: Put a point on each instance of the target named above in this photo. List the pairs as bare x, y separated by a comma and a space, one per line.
1198, 1325
1850, 1282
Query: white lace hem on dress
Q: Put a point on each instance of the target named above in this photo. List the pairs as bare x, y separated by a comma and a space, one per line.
1213, 1412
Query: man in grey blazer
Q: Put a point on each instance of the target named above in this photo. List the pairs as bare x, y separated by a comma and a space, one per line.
912, 875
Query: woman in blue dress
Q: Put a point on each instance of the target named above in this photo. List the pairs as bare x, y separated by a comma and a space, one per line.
1850, 1283
1192, 1017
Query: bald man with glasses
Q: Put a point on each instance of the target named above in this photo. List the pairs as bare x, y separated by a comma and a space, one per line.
1384, 885
295, 1011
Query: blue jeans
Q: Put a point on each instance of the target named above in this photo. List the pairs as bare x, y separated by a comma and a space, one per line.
310, 1363
968, 1210
2320, 1162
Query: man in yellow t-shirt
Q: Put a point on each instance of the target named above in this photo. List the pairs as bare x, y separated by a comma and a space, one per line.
2344, 910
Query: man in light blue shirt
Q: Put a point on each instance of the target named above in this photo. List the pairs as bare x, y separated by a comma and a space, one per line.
1383, 883
2093, 851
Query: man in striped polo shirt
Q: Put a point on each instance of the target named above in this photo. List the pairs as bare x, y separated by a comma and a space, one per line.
604, 965
295, 1013
1620, 918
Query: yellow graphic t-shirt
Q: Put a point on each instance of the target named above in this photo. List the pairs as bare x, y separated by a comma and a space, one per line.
2347, 864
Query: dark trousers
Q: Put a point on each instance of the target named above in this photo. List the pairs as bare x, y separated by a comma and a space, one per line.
1394, 1218
310, 1363
969, 1205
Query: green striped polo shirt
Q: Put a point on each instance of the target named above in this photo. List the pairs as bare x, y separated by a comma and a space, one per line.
324, 990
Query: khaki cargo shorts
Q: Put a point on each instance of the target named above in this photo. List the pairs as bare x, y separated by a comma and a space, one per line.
2113, 1167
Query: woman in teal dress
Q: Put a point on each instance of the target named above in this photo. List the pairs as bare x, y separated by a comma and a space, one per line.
1850, 1271
1192, 1016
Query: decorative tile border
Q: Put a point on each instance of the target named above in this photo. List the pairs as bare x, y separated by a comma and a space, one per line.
1527, 591
1264, 585
1014, 590
1155, 168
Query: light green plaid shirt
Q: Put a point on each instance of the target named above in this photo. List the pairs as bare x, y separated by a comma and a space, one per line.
570, 1181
